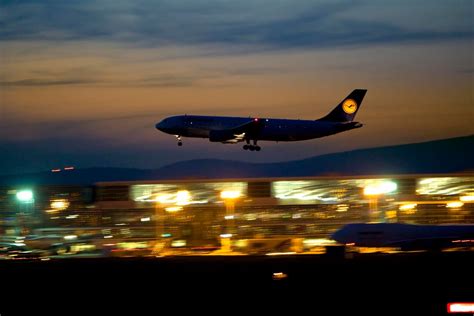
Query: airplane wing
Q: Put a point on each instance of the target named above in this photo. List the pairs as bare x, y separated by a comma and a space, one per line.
237, 134
237, 138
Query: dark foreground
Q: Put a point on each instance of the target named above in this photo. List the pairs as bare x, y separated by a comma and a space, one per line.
404, 284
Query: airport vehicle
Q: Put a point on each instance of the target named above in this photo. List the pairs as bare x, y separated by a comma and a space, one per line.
231, 130
405, 236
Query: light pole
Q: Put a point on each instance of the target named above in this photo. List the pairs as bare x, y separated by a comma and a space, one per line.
167, 203
229, 198
373, 191
25, 197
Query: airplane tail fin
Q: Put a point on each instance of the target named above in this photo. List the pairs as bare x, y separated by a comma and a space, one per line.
347, 109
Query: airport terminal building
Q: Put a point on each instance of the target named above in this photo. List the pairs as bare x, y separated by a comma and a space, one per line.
199, 212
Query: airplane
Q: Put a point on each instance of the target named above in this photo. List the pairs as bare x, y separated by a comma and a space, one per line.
405, 236
231, 130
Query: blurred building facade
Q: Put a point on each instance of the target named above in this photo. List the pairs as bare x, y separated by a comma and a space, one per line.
200, 212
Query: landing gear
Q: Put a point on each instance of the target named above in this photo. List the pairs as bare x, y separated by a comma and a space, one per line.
251, 147
180, 143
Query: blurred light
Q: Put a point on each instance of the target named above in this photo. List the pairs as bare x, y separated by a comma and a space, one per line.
72, 216
463, 241
82, 248
183, 197
461, 307
166, 235
230, 194
305, 195
314, 242
144, 219
165, 198
342, 208
406, 207
380, 188
467, 198
178, 243
174, 209
391, 214
24, 196
55, 170
296, 216
69, 168
250, 217
241, 243
70, 237
455, 204
132, 245
279, 276
443, 186
108, 236
125, 231
427, 180
280, 253
60, 204
226, 235
229, 217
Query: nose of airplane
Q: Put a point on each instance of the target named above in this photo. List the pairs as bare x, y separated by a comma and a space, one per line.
160, 126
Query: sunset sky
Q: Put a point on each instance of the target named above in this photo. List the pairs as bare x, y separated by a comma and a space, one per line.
83, 82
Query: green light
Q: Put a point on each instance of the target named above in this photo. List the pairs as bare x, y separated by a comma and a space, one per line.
166, 235
25, 196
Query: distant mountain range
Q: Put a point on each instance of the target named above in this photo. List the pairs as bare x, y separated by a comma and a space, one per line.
439, 156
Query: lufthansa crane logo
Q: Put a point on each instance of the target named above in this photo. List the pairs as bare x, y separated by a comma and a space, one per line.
349, 106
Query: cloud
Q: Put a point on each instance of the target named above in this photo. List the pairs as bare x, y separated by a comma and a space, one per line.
270, 24
45, 82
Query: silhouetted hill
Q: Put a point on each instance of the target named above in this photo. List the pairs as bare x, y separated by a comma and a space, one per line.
440, 156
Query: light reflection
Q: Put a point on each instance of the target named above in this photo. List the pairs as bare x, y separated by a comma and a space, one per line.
406, 207
444, 186
467, 198
455, 204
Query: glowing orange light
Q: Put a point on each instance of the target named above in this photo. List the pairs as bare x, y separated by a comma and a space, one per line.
230, 194
68, 168
279, 276
461, 307
55, 170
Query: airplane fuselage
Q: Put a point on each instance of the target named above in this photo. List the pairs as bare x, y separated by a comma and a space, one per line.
271, 129
405, 235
